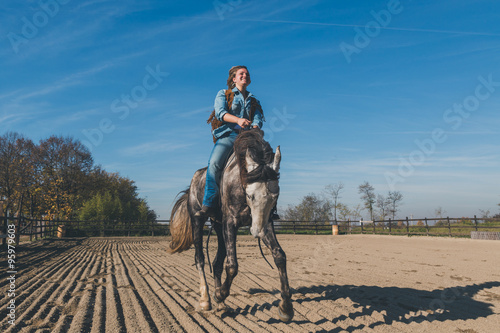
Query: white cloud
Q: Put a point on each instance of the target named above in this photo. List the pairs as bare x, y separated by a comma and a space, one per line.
154, 147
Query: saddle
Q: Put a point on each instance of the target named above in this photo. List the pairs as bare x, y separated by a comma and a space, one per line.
216, 123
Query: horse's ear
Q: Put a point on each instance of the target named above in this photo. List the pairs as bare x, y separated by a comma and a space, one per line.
277, 159
251, 165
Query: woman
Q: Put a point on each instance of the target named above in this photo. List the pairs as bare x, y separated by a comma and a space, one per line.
235, 118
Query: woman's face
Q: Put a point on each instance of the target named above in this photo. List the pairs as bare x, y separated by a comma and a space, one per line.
242, 78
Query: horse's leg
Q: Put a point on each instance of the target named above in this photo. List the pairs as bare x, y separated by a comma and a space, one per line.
230, 231
200, 263
218, 262
285, 308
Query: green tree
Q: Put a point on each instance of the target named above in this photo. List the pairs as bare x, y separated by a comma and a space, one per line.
102, 207
111, 191
146, 213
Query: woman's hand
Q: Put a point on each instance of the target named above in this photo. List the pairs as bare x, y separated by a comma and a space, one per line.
236, 120
243, 122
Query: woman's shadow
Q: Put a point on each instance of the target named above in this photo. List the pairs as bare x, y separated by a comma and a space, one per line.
404, 305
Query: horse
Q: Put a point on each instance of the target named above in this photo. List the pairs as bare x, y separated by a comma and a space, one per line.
249, 189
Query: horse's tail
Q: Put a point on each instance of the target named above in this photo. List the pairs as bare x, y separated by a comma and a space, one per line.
180, 226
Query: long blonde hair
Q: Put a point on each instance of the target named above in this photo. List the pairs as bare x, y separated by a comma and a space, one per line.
232, 74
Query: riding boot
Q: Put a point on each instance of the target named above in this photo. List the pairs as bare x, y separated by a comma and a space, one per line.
205, 211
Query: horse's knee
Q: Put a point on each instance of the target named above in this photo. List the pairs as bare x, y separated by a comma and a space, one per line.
231, 271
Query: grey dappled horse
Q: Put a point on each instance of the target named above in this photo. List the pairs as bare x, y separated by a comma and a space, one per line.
249, 190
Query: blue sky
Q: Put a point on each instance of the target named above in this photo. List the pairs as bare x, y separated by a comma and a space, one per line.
402, 94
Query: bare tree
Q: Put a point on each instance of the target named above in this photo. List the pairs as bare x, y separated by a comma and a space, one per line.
368, 196
347, 213
485, 214
312, 209
333, 191
344, 212
439, 212
394, 198
384, 205
356, 212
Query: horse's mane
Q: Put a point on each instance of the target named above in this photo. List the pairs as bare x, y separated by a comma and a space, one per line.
260, 151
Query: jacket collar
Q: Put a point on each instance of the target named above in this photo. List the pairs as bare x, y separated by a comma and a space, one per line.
237, 92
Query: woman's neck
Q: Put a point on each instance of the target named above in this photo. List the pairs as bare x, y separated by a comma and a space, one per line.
242, 90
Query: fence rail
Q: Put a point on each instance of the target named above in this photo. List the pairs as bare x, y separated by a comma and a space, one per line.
457, 227
439, 226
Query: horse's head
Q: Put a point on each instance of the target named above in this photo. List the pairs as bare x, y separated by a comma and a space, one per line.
262, 193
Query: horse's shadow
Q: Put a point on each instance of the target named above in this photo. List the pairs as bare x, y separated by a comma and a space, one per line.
394, 304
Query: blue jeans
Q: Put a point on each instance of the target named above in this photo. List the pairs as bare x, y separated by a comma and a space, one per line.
220, 153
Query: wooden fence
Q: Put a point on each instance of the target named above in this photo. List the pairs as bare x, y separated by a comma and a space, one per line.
439, 226
40, 228
34, 229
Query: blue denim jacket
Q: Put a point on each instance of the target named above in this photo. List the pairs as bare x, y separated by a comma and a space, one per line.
239, 108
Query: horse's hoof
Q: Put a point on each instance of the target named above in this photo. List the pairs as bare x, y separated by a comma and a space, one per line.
285, 317
222, 307
205, 306
217, 297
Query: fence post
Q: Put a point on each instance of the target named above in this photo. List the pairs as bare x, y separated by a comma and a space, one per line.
373, 222
5, 228
18, 235
316, 227
390, 226
293, 227
426, 226
449, 226
475, 221
407, 227
362, 231
152, 228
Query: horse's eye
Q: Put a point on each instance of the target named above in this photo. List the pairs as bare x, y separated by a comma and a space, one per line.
273, 187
